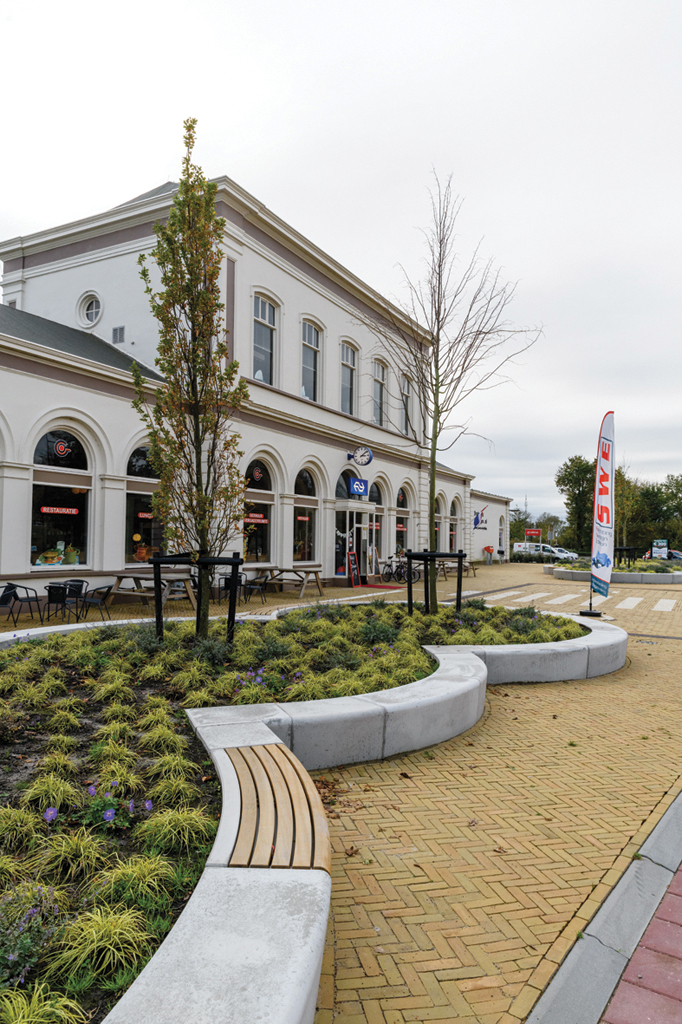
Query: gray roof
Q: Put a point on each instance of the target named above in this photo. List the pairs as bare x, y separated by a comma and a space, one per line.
36, 329
160, 190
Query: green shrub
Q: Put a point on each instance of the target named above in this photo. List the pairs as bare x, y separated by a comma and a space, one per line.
31, 922
172, 766
135, 880
175, 831
20, 829
59, 764
174, 793
162, 740
63, 722
51, 790
61, 744
40, 1006
103, 940
119, 713
71, 856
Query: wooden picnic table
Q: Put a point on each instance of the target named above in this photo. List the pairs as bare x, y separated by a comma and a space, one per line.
299, 574
140, 578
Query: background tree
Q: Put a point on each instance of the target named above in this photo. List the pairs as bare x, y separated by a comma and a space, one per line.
193, 448
452, 339
575, 481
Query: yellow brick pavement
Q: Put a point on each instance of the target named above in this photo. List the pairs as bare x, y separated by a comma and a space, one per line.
462, 875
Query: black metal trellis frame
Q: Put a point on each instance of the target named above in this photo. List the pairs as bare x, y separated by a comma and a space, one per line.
428, 558
235, 560
628, 552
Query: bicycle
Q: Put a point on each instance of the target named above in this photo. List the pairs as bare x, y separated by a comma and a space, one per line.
398, 572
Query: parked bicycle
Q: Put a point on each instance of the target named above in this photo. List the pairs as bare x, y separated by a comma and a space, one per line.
398, 572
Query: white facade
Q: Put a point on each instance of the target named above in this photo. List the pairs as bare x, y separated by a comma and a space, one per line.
85, 276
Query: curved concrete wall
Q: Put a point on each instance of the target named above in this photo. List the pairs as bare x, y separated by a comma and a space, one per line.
621, 577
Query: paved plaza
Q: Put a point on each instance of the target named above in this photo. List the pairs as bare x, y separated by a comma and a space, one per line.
463, 874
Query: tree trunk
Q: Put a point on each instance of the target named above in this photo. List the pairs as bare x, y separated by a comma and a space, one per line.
431, 566
203, 599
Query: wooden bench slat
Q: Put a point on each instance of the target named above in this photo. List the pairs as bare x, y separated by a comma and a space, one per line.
248, 824
322, 849
303, 848
262, 851
284, 838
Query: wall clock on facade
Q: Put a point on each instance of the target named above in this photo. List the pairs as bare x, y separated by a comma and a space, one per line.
362, 456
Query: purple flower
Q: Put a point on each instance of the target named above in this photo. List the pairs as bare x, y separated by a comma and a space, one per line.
114, 783
148, 805
50, 814
92, 790
131, 805
109, 815
107, 794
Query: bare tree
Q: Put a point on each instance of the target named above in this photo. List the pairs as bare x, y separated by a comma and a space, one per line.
452, 339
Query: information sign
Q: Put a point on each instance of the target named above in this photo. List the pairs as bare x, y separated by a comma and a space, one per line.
353, 570
358, 487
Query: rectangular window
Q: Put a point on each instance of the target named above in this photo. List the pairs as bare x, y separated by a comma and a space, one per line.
375, 523
59, 525
311, 345
257, 533
453, 535
379, 393
348, 380
304, 534
118, 335
143, 531
401, 533
405, 411
263, 339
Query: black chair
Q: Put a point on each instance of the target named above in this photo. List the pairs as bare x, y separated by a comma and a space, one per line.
7, 599
256, 586
29, 596
224, 587
58, 595
96, 598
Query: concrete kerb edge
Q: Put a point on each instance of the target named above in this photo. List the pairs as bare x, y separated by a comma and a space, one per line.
625, 578
585, 981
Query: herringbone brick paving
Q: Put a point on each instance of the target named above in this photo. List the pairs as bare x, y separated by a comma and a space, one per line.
462, 875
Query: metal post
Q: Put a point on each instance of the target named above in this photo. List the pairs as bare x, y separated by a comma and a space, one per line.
232, 604
409, 581
460, 563
158, 606
198, 563
427, 574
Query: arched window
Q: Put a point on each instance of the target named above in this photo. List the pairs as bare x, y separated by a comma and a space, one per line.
379, 396
61, 450
305, 484
258, 476
500, 542
437, 506
454, 513
263, 339
439, 519
342, 485
311, 350
401, 523
375, 495
59, 515
405, 411
139, 464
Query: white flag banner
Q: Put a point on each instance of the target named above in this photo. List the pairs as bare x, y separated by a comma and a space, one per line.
603, 527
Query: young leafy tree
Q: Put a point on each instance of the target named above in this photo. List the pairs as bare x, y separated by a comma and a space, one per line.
575, 480
193, 447
452, 339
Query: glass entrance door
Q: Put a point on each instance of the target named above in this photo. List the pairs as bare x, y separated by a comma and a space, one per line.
351, 535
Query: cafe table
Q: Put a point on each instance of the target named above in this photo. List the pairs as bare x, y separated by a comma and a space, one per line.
142, 579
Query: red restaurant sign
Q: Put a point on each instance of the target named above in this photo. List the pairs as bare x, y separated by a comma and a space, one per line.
145, 515
59, 511
537, 534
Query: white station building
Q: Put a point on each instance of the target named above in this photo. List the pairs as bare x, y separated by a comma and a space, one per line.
75, 484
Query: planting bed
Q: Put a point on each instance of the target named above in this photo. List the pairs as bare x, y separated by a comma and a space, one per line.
111, 804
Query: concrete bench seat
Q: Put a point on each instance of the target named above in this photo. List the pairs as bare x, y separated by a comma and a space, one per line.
248, 947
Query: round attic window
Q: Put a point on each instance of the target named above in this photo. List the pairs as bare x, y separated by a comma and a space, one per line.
89, 309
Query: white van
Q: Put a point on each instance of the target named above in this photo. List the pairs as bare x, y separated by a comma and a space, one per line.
531, 548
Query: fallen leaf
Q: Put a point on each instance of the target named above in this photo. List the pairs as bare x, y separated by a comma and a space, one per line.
473, 823
206, 778
352, 851
379, 949
404, 775
500, 849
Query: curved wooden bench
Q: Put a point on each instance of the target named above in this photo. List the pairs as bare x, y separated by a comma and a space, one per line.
282, 824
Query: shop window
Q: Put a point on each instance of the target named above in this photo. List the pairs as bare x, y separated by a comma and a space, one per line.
375, 495
304, 534
453, 527
60, 450
263, 339
305, 484
348, 357
257, 533
374, 553
258, 476
311, 347
401, 533
379, 395
143, 530
139, 464
401, 500
59, 525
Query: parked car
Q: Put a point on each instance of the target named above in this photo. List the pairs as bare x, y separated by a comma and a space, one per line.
564, 555
673, 554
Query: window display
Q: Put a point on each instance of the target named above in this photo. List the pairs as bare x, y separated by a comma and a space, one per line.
59, 525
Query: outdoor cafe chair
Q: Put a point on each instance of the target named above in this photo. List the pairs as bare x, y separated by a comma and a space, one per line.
96, 598
224, 586
29, 597
7, 600
256, 586
64, 599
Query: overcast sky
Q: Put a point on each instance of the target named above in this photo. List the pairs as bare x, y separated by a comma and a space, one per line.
559, 121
